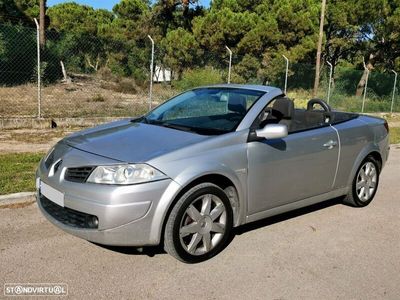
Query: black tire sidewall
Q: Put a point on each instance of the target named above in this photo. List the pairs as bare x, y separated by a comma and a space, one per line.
181, 209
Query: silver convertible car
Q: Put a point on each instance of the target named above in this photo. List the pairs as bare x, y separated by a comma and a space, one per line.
206, 161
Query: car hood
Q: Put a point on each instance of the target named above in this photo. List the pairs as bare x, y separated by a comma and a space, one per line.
132, 142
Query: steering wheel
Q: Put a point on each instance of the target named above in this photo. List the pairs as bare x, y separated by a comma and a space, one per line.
324, 105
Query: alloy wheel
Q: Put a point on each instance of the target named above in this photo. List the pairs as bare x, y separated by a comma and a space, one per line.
366, 181
203, 224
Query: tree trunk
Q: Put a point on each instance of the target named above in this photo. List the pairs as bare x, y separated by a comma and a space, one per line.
361, 83
319, 49
185, 4
42, 23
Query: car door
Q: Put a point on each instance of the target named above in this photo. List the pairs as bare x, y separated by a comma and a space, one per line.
299, 166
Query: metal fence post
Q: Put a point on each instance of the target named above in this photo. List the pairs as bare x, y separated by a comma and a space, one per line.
394, 90
151, 72
365, 87
39, 75
330, 80
287, 70
230, 64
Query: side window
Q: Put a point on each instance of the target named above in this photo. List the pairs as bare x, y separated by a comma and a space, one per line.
339, 117
282, 111
311, 118
278, 111
306, 120
263, 116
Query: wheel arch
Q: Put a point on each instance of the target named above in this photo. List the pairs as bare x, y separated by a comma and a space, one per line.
378, 157
221, 180
372, 150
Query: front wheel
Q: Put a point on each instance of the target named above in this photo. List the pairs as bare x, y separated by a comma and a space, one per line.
199, 224
365, 183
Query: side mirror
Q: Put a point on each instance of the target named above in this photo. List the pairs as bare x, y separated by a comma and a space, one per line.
272, 131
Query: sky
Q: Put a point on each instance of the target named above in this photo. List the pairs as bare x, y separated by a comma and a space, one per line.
107, 4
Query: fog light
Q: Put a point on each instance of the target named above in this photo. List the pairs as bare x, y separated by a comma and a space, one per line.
93, 222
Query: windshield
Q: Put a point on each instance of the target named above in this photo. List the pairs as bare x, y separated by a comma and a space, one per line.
206, 110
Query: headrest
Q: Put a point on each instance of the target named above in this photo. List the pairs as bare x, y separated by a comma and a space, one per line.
237, 103
283, 108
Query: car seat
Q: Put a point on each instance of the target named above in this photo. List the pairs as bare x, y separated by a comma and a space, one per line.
237, 104
281, 112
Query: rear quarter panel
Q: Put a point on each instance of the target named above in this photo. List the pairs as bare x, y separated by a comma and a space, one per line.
358, 138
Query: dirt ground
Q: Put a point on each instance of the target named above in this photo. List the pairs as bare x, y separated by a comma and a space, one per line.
30, 140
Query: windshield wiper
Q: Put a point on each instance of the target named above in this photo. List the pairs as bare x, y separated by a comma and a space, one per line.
208, 131
140, 119
198, 130
164, 124
175, 126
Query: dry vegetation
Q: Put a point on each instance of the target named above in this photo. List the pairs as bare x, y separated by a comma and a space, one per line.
31, 140
85, 96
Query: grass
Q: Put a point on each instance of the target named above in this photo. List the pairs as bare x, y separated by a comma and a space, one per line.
18, 172
394, 135
343, 102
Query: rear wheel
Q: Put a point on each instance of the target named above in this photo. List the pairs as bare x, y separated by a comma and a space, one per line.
365, 183
199, 224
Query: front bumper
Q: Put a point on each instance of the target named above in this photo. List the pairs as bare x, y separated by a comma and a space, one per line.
127, 215
133, 233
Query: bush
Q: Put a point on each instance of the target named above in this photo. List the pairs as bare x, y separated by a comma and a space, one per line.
110, 81
97, 98
199, 77
126, 86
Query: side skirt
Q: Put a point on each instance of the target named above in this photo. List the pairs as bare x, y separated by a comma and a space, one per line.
295, 205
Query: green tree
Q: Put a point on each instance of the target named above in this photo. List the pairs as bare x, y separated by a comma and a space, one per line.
258, 32
182, 50
132, 9
19, 12
29, 7
72, 17
385, 35
172, 14
17, 54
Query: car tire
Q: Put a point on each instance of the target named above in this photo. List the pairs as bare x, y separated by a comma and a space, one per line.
199, 224
365, 183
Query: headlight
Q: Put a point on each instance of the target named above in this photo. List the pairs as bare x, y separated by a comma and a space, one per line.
125, 174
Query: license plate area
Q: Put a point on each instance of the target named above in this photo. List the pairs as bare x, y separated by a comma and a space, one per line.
51, 193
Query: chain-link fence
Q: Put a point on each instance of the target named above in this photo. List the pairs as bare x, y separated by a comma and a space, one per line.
348, 89
89, 76
18, 71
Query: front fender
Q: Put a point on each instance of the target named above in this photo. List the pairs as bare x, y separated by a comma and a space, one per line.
186, 177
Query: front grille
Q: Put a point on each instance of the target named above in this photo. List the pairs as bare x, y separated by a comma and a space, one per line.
80, 174
69, 216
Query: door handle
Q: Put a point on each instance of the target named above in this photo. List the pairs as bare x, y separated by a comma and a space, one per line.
330, 144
